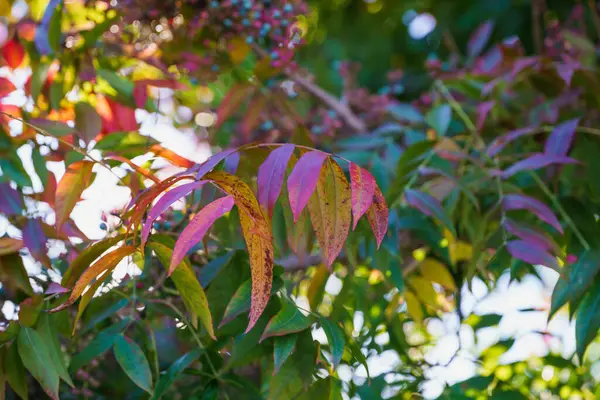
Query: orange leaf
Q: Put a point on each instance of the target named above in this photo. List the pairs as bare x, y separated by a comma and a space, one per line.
378, 216
68, 192
13, 53
9, 245
175, 159
136, 168
104, 264
330, 210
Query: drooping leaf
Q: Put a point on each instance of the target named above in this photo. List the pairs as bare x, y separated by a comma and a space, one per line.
302, 182
87, 121
131, 358
103, 266
560, 139
378, 216
11, 202
212, 162
537, 161
435, 271
330, 210
479, 39
36, 358
502, 141
428, 205
49, 335
288, 320
363, 190
35, 240
283, 346
439, 119
531, 235
336, 340
270, 176
582, 275
173, 372
15, 371
522, 202
76, 179
164, 203
588, 320
197, 228
185, 281
531, 253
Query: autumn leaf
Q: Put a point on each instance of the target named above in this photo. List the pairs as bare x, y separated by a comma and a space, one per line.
6, 87
363, 190
13, 53
169, 155
104, 265
212, 162
330, 210
197, 228
302, 182
270, 176
522, 202
76, 179
378, 215
35, 240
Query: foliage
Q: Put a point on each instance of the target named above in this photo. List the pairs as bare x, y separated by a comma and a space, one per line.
403, 197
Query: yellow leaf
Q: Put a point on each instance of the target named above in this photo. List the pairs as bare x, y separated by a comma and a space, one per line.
316, 288
104, 265
413, 307
77, 177
435, 271
457, 249
424, 290
330, 210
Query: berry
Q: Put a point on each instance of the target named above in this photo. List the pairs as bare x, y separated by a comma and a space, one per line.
103, 226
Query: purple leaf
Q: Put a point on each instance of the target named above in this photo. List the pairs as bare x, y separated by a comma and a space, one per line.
11, 202
55, 288
566, 70
531, 253
501, 141
560, 140
165, 202
42, 37
479, 39
270, 176
522, 202
35, 240
530, 235
232, 162
303, 180
197, 228
483, 110
536, 161
212, 162
428, 205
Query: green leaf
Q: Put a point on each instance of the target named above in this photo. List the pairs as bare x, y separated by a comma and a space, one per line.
185, 281
581, 277
29, 310
11, 332
39, 163
98, 346
240, 302
133, 361
288, 320
588, 320
36, 358
123, 87
316, 288
358, 355
323, 389
408, 162
54, 29
283, 348
212, 269
87, 121
38, 78
439, 118
13, 273
171, 374
483, 321
336, 340
287, 383
49, 335
15, 371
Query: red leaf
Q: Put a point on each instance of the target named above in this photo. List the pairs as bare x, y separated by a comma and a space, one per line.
531, 253
77, 177
212, 162
35, 240
109, 123
378, 216
124, 116
303, 180
140, 94
530, 235
270, 176
479, 39
522, 202
537, 161
6, 87
560, 140
13, 53
500, 142
165, 202
197, 228
363, 189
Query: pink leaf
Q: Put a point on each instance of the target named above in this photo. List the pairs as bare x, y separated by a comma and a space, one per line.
531, 253
560, 140
363, 188
165, 202
522, 202
566, 71
270, 176
479, 39
483, 110
530, 235
55, 288
140, 94
212, 162
303, 180
378, 216
536, 161
500, 142
35, 240
197, 228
